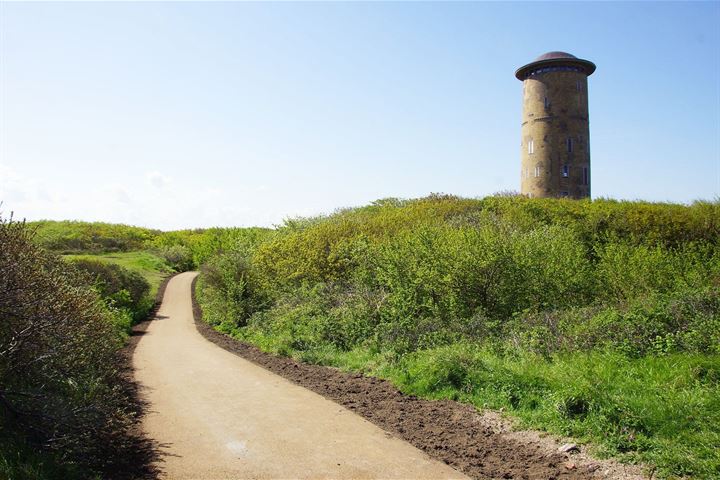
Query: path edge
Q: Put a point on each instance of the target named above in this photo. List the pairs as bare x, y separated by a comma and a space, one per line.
542, 455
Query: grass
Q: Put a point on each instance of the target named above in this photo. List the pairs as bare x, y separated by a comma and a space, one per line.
150, 266
595, 320
74, 237
19, 461
663, 411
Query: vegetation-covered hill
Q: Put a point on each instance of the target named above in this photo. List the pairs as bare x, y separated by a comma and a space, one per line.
599, 320
67, 236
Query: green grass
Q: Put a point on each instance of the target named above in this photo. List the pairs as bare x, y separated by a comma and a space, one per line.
19, 461
663, 411
150, 266
68, 237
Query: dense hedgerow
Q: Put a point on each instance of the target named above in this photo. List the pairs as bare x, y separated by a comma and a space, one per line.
64, 408
126, 292
188, 249
582, 317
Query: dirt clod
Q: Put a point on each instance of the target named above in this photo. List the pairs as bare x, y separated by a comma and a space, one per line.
569, 448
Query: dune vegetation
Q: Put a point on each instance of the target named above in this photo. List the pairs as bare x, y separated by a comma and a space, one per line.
66, 407
598, 320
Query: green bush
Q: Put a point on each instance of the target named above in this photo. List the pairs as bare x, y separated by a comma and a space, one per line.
124, 290
90, 237
535, 305
179, 257
232, 280
62, 395
626, 271
201, 244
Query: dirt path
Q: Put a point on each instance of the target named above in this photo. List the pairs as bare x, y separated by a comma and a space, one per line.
217, 415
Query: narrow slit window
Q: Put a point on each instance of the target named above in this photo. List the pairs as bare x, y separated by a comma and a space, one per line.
566, 171
585, 176
569, 144
537, 171
531, 146
547, 102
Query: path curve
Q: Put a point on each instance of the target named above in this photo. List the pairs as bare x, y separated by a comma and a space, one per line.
218, 416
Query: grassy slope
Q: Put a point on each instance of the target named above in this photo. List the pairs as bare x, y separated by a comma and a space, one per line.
662, 408
664, 411
627, 369
90, 237
149, 265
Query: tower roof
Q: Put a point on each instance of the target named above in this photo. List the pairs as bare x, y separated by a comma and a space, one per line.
553, 56
555, 59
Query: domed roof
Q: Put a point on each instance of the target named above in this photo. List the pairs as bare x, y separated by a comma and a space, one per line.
555, 59
554, 55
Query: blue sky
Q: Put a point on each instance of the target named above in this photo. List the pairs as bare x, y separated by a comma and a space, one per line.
176, 115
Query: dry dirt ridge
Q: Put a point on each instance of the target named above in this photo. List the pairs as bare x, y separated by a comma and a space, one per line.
481, 445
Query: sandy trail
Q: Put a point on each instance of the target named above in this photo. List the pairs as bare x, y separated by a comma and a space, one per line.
220, 416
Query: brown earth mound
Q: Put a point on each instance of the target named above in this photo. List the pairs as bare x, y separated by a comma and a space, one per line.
448, 431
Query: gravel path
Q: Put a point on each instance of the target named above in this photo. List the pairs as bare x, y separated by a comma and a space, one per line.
217, 415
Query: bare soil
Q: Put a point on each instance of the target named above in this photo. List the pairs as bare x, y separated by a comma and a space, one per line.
481, 445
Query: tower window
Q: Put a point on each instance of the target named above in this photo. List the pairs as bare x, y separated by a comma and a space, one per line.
564, 194
531, 146
547, 102
566, 171
569, 144
585, 176
537, 171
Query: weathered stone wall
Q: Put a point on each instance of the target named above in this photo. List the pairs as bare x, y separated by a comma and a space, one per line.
555, 111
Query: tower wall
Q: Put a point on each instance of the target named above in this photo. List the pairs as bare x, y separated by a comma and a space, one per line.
555, 158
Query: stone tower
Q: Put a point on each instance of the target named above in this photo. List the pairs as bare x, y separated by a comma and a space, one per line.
555, 158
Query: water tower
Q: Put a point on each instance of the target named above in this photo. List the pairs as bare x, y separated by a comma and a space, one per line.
555, 158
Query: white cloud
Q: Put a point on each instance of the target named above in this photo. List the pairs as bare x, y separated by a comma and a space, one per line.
121, 195
157, 180
158, 202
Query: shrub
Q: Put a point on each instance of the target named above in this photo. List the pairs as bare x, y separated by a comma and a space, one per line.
122, 288
179, 257
537, 305
232, 281
60, 388
90, 237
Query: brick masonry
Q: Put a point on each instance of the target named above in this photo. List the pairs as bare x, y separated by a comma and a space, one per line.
555, 147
